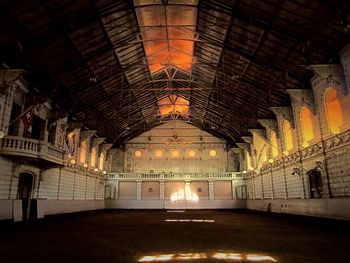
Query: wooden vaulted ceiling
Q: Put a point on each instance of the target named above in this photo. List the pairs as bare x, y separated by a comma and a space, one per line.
89, 57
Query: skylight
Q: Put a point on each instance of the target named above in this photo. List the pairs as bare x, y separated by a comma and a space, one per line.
173, 104
167, 32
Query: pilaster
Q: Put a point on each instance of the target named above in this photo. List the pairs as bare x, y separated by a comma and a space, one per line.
302, 97
211, 190
269, 124
285, 113
138, 189
162, 189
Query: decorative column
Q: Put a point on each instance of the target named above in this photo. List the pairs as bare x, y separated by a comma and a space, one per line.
103, 148
116, 192
188, 192
233, 186
162, 190
284, 113
259, 150
95, 142
86, 135
272, 184
262, 186
269, 124
138, 190
211, 190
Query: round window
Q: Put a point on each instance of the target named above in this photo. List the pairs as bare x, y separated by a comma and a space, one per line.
212, 153
191, 153
159, 153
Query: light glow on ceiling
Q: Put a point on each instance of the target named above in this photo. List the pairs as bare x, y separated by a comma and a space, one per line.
168, 33
173, 104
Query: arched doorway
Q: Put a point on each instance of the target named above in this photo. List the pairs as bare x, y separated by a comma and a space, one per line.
315, 183
24, 193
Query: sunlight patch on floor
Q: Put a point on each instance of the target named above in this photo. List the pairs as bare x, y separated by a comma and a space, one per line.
190, 220
233, 257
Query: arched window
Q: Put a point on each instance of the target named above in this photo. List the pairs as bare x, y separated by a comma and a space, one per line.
333, 110
101, 161
83, 148
306, 126
274, 145
93, 157
288, 135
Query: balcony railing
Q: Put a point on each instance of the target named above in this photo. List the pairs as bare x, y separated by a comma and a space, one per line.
176, 176
30, 148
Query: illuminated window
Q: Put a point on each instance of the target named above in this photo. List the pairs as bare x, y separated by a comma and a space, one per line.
138, 153
306, 126
212, 153
191, 153
159, 153
175, 153
101, 161
333, 109
173, 104
93, 157
274, 144
288, 136
83, 148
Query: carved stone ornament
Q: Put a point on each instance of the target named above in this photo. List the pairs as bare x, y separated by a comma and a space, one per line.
247, 139
331, 75
97, 141
86, 135
284, 112
303, 97
270, 124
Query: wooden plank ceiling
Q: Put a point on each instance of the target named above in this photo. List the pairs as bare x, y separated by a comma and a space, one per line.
89, 57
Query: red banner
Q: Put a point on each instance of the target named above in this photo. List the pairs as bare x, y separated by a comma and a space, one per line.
27, 120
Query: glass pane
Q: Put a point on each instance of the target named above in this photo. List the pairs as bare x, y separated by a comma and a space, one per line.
169, 34
146, 2
186, 2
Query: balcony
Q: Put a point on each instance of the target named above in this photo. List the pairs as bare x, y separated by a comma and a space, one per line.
176, 176
32, 150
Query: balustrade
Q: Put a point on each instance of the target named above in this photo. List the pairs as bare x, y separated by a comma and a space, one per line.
26, 147
175, 176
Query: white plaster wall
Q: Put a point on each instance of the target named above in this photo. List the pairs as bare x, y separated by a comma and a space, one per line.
188, 137
173, 187
150, 190
127, 190
203, 186
51, 207
330, 208
223, 190
59, 188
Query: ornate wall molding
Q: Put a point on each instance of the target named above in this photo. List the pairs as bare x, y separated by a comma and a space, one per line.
270, 124
330, 75
86, 135
285, 113
247, 139
338, 141
97, 141
303, 97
